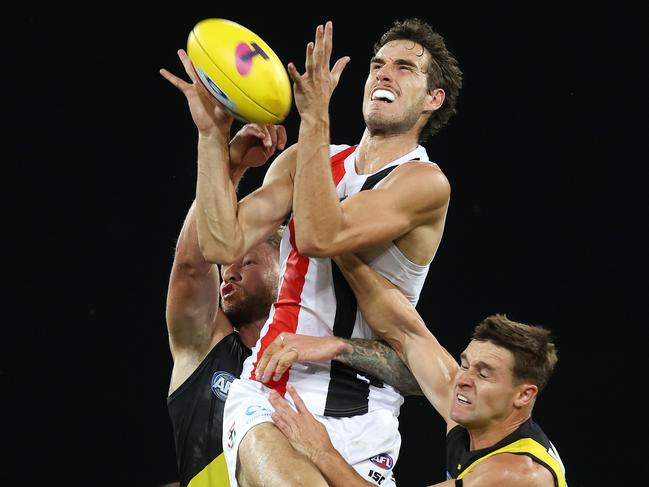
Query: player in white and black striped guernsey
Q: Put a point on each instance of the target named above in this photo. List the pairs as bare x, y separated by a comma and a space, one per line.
397, 223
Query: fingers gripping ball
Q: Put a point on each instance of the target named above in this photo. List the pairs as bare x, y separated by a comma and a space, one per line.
240, 70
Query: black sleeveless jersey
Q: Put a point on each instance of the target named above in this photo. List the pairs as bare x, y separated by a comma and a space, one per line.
528, 439
196, 412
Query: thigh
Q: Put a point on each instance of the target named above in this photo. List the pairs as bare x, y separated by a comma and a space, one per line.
267, 458
256, 452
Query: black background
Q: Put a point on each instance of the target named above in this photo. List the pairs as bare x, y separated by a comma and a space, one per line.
546, 162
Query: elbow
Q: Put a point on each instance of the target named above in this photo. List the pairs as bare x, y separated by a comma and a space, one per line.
216, 257
311, 247
221, 250
393, 337
220, 255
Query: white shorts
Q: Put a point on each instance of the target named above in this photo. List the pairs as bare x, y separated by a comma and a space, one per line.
370, 442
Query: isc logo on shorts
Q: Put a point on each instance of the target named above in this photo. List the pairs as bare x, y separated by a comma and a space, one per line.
221, 382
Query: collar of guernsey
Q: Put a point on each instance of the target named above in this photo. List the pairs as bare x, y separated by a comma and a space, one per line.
418, 153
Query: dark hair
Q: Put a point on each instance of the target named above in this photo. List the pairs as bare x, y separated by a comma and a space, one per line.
534, 353
443, 71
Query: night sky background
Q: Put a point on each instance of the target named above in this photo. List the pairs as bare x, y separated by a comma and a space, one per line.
545, 158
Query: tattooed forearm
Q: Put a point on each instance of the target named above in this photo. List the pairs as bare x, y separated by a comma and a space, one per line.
377, 358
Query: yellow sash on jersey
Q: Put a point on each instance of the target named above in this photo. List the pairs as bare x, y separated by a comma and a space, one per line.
526, 445
215, 473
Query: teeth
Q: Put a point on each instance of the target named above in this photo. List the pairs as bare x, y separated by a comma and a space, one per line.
462, 398
383, 94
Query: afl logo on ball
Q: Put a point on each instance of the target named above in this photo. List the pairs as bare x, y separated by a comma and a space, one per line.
244, 55
221, 382
383, 461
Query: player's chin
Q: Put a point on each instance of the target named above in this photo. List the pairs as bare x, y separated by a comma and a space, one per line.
459, 415
232, 300
377, 121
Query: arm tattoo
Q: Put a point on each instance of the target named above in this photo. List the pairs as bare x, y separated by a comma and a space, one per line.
377, 358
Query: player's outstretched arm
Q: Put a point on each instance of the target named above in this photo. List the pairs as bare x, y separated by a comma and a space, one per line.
194, 320
396, 320
227, 232
371, 356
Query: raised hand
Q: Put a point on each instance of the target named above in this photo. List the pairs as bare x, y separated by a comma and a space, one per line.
254, 144
207, 112
289, 348
313, 89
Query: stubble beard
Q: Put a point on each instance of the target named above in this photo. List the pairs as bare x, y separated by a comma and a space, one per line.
381, 124
247, 309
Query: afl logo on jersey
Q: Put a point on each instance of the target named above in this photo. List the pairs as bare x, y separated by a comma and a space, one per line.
383, 461
221, 382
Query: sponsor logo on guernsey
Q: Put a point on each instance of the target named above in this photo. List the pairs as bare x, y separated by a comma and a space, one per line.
221, 382
383, 461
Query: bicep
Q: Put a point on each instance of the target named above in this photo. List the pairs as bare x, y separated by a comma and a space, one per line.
408, 200
263, 210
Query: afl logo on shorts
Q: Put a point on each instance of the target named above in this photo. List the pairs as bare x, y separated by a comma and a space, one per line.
221, 382
383, 461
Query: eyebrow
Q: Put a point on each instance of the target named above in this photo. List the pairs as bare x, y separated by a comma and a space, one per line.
402, 62
480, 364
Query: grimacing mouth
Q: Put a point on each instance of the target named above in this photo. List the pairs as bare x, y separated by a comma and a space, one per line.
382, 94
462, 398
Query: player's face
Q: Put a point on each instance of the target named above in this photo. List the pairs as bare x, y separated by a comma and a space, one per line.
249, 286
396, 96
484, 389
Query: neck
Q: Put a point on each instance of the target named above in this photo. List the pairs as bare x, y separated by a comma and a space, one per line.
249, 333
493, 433
375, 151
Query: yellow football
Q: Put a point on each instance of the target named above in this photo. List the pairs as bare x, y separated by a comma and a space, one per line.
240, 70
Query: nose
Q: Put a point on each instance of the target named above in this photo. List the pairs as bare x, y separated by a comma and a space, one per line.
463, 378
384, 73
232, 273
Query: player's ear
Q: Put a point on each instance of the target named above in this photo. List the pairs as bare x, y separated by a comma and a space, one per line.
434, 99
525, 395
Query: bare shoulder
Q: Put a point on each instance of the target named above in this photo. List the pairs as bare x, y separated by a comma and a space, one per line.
421, 178
508, 469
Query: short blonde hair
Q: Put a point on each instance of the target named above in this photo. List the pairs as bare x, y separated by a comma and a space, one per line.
275, 239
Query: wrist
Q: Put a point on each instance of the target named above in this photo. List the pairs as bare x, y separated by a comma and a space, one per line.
315, 119
343, 348
212, 147
324, 458
214, 136
236, 173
